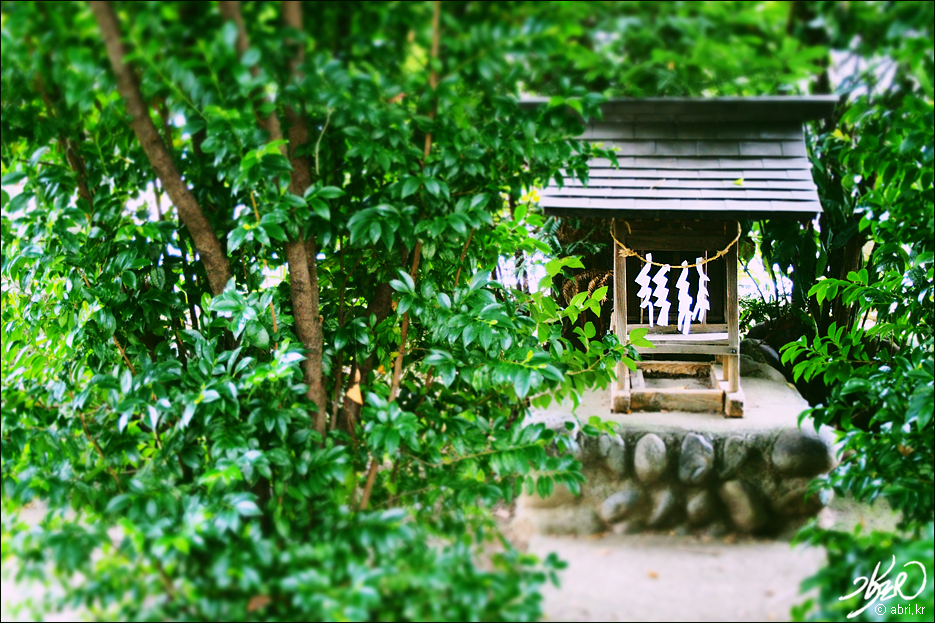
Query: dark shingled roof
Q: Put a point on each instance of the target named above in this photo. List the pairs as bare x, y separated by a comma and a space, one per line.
715, 158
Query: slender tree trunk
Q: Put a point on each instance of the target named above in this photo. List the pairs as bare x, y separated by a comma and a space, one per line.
304, 279
230, 11
209, 247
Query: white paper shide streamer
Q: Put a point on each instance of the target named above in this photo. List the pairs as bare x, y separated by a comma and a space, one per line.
645, 292
702, 307
661, 293
689, 310
685, 301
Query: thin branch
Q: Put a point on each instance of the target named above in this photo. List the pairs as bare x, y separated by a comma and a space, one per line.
87, 433
209, 247
398, 364
125, 358
368, 488
747, 270
318, 142
463, 254
230, 11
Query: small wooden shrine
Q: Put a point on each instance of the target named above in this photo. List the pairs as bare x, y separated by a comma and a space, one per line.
688, 172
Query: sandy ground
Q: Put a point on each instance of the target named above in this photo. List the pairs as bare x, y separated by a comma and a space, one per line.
663, 577
668, 578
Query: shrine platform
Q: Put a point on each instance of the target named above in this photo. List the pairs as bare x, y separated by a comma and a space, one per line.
690, 472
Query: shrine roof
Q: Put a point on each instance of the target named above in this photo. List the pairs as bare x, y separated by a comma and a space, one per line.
698, 158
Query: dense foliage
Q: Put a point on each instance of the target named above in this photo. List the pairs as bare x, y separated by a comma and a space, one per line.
277, 367
873, 347
224, 236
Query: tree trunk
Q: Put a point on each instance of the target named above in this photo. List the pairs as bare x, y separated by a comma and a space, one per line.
209, 247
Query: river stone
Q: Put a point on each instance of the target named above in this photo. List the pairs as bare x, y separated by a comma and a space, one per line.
798, 452
566, 520
588, 449
696, 459
793, 499
621, 505
753, 369
664, 503
650, 458
771, 356
701, 507
750, 348
561, 496
742, 504
717, 529
758, 331
733, 454
613, 450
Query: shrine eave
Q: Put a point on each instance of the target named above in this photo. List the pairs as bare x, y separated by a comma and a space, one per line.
706, 158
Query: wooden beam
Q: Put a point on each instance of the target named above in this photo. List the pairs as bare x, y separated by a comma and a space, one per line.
688, 241
691, 338
672, 329
690, 400
620, 393
688, 349
676, 368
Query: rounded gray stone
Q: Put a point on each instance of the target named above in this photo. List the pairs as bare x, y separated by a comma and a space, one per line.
621, 505
696, 459
650, 458
564, 520
613, 451
750, 348
743, 505
701, 507
749, 368
799, 452
588, 449
664, 504
793, 498
733, 455
717, 529
771, 356
561, 496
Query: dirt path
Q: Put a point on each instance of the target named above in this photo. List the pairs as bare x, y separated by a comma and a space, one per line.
651, 577
670, 578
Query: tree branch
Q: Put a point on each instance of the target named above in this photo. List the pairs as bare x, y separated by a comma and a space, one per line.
404, 333
87, 433
230, 11
463, 253
209, 247
301, 255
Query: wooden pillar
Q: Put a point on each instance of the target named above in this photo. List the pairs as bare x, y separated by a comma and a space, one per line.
733, 401
620, 396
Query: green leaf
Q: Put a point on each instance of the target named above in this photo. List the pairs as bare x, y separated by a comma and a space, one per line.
13, 177
410, 186
520, 213
247, 508
129, 279
330, 192
432, 187
320, 208
854, 386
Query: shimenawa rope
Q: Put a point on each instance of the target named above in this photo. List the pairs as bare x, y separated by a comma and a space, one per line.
625, 251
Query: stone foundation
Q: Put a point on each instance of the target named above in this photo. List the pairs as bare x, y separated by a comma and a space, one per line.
691, 472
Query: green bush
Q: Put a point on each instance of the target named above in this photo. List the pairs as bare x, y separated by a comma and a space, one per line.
222, 237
